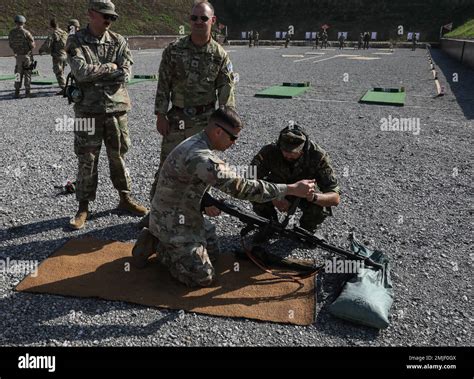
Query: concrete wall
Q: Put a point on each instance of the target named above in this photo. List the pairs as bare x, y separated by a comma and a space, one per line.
461, 50
468, 57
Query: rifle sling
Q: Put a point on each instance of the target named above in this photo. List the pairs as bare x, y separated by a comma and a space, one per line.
294, 277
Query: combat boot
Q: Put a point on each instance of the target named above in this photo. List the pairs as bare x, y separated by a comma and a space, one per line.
17, 94
145, 247
79, 221
128, 204
29, 94
144, 222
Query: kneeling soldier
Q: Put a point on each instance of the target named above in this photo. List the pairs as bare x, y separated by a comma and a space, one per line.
295, 157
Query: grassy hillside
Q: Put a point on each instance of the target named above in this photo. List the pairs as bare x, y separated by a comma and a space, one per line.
267, 16
464, 31
136, 16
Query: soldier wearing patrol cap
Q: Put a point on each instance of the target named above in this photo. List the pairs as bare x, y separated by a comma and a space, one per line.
195, 73
101, 63
295, 157
22, 43
73, 26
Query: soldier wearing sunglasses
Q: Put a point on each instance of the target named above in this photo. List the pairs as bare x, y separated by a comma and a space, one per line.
184, 241
195, 73
101, 63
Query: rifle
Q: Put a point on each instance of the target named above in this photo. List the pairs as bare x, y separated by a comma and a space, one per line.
253, 221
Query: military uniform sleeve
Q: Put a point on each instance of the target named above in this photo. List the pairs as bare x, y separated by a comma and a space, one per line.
163, 90
46, 46
10, 39
125, 59
83, 71
215, 172
261, 162
31, 40
325, 176
225, 83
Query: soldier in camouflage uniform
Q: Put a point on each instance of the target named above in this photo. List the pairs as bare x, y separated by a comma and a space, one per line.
295, 157
22, 43
183, 239
413, 42
73, 26
316, 41
287, 39
55, 45
341, 39
366, 40
324, 40
101, 62
194, 73
256, 39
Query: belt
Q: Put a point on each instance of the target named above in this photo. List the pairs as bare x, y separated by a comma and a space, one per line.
197, 110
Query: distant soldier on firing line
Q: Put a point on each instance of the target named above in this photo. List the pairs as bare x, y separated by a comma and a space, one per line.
22, 43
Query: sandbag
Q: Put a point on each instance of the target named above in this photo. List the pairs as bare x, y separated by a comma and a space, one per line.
368, 296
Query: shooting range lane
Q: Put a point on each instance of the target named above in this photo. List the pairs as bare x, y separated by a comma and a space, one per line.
384, 175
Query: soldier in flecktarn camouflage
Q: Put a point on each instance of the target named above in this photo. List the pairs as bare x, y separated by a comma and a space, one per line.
55, 45
186, 242
101, 63
22, 43
295, 157
195, 73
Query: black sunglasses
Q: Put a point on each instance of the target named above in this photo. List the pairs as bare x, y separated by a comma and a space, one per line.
232, 137
110, 17
203, 18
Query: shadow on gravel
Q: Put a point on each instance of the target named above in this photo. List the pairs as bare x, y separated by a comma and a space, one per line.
63, 223
35, 94
463, 90
27, 320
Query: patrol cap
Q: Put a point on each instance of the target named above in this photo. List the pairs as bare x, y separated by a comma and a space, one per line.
103, 6
292, 140
20, 18
74, 22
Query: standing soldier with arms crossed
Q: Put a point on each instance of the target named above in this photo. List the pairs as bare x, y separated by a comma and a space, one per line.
195, 73
22, 43
101, 62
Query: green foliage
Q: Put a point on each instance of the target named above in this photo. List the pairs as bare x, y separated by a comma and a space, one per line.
137, 17
464, 31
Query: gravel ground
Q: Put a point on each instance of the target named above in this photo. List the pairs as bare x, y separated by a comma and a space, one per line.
403, 193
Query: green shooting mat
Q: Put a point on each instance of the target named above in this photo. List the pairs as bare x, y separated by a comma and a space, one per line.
12, 77
44, 81
142, 78
7, 77
385, 96
285, 91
